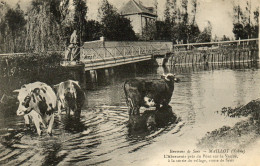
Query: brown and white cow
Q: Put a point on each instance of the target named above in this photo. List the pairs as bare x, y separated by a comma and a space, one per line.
149, 92
70, 97
37, 101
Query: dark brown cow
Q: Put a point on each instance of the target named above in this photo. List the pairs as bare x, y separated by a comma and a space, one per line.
147, 93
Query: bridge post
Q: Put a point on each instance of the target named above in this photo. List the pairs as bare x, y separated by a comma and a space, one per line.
107, 72
83, 79
93, 75
111, 71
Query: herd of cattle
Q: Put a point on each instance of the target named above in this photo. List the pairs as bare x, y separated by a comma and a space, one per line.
38, 101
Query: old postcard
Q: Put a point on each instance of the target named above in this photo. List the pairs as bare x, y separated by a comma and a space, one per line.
129, 82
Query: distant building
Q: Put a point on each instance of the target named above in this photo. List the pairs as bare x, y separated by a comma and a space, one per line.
138, 14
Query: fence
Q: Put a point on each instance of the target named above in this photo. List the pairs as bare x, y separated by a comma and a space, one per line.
215, 52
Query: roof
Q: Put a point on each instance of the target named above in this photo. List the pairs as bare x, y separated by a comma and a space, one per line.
132, 7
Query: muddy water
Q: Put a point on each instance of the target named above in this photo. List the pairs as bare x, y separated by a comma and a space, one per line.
103, 135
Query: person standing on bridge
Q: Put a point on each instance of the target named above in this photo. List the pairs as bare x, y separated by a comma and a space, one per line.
73, 53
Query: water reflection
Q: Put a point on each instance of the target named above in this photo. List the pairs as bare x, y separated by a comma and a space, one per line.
72, 124
149, 120
105, 131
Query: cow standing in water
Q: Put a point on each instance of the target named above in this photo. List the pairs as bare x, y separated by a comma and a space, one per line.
37, 101
148, 93
70, 97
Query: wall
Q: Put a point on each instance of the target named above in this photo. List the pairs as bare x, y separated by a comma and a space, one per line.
136, 23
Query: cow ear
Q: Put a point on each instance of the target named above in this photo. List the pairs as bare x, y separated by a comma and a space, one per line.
55, 87
36, 91
76, 82
16, 90
177, 80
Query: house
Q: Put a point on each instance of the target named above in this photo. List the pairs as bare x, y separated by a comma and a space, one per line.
138, 14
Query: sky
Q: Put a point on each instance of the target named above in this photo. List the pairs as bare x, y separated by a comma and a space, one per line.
218, 12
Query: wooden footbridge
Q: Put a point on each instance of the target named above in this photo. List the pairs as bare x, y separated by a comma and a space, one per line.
100, 55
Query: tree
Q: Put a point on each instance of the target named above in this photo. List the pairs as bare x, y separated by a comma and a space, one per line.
193, 33
80, 18
243, 26
92, 30
225, 38
167, 15
12, 29
114, 26
44, 31
149, 31
184, 12
194, 5
205, 35
238, 30
162, 31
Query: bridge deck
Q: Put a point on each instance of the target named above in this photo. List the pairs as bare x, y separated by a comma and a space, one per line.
106, 57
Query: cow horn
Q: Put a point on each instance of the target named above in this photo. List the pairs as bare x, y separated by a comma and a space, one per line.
17, 90
166, 77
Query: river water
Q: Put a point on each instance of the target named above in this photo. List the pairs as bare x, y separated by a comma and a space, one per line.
103, 135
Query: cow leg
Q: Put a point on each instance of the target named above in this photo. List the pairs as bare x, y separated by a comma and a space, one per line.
27, 121
136, 110
77, 113
69, 111
36, 119
130, 105
59, 105
49, 130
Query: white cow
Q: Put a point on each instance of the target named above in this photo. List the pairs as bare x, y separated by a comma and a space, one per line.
37, 101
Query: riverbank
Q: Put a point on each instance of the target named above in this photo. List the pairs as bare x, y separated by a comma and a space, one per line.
233, 145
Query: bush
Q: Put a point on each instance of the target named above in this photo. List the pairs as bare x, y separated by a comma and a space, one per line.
13, 64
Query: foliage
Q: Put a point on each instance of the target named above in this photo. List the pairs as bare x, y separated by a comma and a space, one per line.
180, 23
238, 30
205, 35
162, 30
244, 26
224, 38
80, 18
115, 27
149, 31
13, 64
43, 29
93, 30
193, 33
13, 30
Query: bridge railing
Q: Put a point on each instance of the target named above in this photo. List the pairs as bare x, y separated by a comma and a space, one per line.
123, 51
245, 43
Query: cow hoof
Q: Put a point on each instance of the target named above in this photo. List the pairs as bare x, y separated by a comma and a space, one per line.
49, 133
27, 126
39, 133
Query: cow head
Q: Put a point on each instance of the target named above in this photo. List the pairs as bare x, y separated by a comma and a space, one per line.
66, 93
170, 78
25, 101
149, 100
29, 100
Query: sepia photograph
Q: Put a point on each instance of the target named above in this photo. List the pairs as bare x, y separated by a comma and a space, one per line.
129, 82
